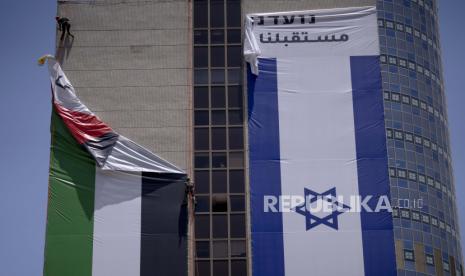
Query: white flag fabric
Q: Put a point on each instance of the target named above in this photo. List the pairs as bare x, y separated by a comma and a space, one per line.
317, 137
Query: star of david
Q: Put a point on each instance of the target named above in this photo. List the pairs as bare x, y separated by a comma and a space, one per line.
330, 220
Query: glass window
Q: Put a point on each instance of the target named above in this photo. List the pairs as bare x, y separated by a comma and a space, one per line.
238, 249
235, 96
202, 160
200, 56
236, 159
234, 36
201, 97
200, 14
445, 264
235, 117
202, 182
408, 255
218, 97
237, 226
237, 203
217, 36
234, 76
201, 117
219, 160
239, 268
202, 268
201, 138
202, 204
220, 249
236, 138
234, 13
219, 181
220, 268
220, 226
202, 226
217, 56
429, 259
202, 249
200, 76
216, 13
218, 138
236, 181
218, 117
234, 56
218, 76
200, 37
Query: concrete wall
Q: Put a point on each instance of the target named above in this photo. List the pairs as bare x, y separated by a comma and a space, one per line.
130, 63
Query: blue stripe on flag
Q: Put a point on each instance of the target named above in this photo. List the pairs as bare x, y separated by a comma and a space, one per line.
372, 165
265, 171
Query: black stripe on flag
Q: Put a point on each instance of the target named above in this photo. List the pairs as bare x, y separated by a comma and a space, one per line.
163, 225
101, 147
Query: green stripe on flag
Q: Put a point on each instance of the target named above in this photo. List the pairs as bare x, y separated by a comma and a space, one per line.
69, 237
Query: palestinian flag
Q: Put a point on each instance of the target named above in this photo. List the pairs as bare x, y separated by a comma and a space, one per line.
114, 209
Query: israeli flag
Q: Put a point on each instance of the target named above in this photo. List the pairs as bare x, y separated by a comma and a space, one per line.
316, 137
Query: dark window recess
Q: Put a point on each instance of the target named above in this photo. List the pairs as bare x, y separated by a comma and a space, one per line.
239, 268
237, 203
201, 117
200, 56
200, 37
202, 268
234, 36
238, 249
218, 97
236, 181
234, 76
201, 97
220, 268
234, 56
202, 138
218, 117
201, 76
219, 160
236, 138
220, 226
235, 96
201, 160
218, 138
217, 76
219, 181
219, 203
200, 14
235, 117
217, 36
202, 182
216, 13
217, 56
237, 226
220, 249
202, 203
236, 159
202, 249
202, 226
234, 13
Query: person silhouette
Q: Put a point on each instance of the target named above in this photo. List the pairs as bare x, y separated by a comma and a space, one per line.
64, 26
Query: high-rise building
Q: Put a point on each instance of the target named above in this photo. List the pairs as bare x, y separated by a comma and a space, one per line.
170, 75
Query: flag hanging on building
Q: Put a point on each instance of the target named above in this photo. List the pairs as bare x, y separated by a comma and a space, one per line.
114, 207
319, 181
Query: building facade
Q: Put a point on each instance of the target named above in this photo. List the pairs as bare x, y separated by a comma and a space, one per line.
170, 75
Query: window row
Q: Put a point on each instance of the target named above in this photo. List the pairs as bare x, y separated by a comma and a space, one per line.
217, 36
218, 138
218, 97
409, 255
422, 179
219, 203
217, 56
205, 160
221, 267
415, 102
219, 181
425, 5
219, 249
219, 226
217, 13
417, 140
408, 64
218, 76
218, 117
425, 218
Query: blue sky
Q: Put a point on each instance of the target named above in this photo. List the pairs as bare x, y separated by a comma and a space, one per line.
27, 32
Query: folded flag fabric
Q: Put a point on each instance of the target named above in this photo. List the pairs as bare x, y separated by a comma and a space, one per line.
114, 207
